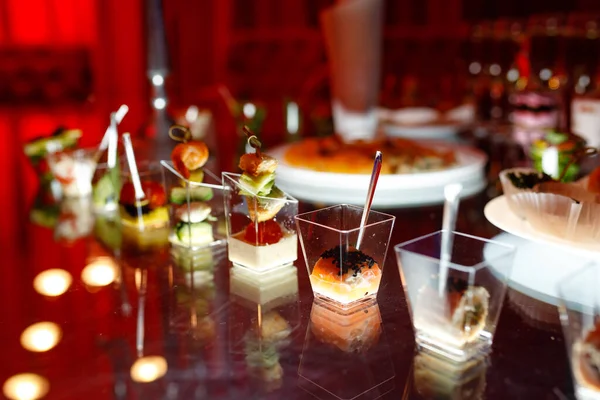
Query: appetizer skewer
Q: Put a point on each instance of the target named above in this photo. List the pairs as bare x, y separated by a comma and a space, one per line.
192, 212
264, 242
189, 156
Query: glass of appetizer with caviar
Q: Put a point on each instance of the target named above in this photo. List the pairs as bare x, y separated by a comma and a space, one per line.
579, 307
259, 215
455, 295
344, 273
143, 208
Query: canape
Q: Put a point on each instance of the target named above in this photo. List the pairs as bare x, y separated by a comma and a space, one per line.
259, 215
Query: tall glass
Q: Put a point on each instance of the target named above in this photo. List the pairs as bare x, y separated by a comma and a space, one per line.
454, 296
260, 230
340, 273
579, 308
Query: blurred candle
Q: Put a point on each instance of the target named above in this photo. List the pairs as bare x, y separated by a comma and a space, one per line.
52, 282
41, 337
102, 271
25, 386
148, 369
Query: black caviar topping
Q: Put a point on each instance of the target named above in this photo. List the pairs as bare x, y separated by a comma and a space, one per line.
353, 260
456, 285
132, 209
527, 180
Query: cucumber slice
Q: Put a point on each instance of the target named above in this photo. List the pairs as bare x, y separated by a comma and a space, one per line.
104, 191
200, 193
259, 186
194, 234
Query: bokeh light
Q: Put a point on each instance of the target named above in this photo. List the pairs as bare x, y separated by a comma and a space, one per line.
25, 386
148, 369
102, 271
41, 336
52, 282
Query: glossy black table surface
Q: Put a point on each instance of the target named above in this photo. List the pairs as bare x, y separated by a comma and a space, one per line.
206, 338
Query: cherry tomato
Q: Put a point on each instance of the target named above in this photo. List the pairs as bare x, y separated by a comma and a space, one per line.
155, 194
269, 232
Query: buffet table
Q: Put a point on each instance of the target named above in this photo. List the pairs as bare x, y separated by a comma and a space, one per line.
202, 334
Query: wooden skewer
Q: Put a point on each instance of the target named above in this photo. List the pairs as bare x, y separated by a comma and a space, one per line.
187, 134
253, 140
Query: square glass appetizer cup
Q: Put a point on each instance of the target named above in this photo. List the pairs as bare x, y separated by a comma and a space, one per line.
260, 230
74, 170
340, 274
196, 210
454, 297
145, 224
579, 307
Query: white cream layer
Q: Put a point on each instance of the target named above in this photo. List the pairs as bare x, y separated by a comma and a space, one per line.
264, 257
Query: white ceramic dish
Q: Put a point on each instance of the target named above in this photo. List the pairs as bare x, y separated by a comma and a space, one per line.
500, 215
438, 131
424, 123
397, 190
538, 267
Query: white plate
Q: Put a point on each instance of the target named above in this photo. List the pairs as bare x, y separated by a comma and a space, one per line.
394, 190
439, 132
500, 215
538, 267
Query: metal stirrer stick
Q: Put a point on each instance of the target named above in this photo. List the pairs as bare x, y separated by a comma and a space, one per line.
370, 194
451, 193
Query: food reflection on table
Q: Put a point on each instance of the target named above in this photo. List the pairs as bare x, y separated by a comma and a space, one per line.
437, 378
195, 290
46, 207
75, 220
334, 342
351, 333
264, 315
